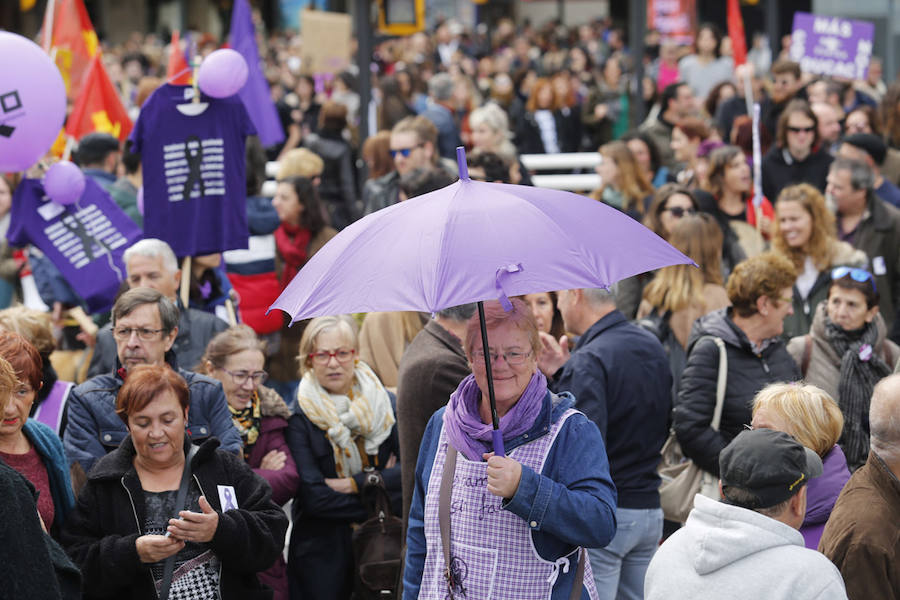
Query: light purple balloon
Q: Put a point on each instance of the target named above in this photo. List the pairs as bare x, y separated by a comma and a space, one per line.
64, 182
140, 200
223, 73
32, 102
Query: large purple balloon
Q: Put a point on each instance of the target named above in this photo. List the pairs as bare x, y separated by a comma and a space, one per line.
32, 102
64, 182
223, 73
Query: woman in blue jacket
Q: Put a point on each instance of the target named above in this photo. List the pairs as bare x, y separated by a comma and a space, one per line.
28, 446
516, 525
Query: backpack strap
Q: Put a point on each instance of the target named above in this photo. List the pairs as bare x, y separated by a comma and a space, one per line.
807, 353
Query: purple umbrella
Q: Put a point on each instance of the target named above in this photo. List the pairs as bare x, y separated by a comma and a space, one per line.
473, 241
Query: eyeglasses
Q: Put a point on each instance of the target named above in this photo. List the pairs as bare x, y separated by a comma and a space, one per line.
801, 129
404, 151
322, 358
512, 358
680, 211
860, 275
147, 335
241, 377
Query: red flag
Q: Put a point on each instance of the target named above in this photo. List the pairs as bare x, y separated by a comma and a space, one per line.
99, 107
177, 64
75, 41
736, 32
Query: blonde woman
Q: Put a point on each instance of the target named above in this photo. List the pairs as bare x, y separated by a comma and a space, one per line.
684, 292
623, 184
813, 418
805, 232
344, 426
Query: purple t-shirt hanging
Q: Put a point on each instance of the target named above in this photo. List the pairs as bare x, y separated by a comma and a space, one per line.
85, 240
195, 194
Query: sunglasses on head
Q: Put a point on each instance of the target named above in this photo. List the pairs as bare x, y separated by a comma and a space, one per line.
405, 152
859, 275
801, 129
680, 211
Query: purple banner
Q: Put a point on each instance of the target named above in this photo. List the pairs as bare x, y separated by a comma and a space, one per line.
85, 240
831, 45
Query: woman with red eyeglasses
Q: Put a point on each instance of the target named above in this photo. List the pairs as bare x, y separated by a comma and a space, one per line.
846, 353
343, 432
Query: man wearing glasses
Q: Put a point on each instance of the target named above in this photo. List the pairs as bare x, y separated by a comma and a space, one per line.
620, 376
145, 325
413, 145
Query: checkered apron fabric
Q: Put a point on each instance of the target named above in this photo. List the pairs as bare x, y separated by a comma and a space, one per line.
493, 553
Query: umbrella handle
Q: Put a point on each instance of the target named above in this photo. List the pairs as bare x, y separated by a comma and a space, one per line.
497, 436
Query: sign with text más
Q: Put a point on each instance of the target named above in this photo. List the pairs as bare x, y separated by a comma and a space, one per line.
831, 45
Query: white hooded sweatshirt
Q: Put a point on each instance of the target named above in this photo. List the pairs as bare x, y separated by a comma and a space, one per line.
725, 551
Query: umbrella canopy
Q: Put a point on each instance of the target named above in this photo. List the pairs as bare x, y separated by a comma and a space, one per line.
470, 242
473, 241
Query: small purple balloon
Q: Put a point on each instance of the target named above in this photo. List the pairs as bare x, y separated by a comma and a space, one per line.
140, 200
64, 183
223, 73
33, 99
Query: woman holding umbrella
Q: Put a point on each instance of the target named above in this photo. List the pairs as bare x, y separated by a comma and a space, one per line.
505, 537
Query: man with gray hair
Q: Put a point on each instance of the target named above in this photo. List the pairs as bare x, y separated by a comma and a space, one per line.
620, 377
144, 326
871, 225
440, 112
431, 368
151, 263
862, 536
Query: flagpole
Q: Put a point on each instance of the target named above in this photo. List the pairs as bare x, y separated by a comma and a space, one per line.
48, 25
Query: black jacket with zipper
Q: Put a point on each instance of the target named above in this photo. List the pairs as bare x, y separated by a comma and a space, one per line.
748, 372
101, 531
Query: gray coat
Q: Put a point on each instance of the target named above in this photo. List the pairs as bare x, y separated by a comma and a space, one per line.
430, 370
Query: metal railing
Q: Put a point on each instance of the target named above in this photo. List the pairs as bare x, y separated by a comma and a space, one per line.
536, 163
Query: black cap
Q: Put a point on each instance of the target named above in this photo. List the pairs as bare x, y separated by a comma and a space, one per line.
869, 143
94, 147
770, 465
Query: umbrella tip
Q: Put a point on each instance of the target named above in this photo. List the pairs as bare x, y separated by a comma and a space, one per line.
461, 163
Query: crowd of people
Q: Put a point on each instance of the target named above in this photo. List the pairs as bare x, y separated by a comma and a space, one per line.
155, 449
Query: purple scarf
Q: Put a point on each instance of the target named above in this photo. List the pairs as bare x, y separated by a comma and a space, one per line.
462, 421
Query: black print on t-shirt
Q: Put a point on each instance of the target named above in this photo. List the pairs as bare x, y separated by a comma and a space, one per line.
84, 235
194, 168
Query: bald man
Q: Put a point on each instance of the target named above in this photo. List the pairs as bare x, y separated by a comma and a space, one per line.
862, 537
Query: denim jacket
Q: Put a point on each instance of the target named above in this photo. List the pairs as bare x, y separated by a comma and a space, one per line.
572, 502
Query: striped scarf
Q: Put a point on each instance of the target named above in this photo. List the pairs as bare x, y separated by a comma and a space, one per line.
364, 414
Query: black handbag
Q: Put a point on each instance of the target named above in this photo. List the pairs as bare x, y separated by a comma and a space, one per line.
377, 543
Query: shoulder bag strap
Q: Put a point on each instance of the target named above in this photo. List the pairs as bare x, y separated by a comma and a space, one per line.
169, 566
444, 512
578, 582
721, 383
807, 353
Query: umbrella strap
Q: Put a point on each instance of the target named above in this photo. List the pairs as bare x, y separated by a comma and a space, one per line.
502, 272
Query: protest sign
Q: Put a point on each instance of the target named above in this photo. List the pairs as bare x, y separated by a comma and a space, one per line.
832, 46
84, 240
326, 41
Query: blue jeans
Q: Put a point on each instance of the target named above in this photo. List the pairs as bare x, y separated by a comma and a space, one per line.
619, 568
